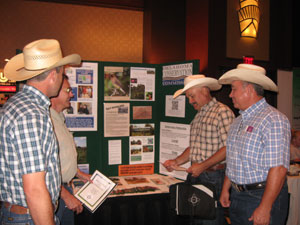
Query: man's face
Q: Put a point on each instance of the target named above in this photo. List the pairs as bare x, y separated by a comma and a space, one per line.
296, 140
196, 97
58, 82
64, 96
240, 95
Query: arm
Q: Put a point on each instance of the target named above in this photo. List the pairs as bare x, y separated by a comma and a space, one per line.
197, 168
224, 198
181, 159
83, 176
38, 198
275, 181
71, 202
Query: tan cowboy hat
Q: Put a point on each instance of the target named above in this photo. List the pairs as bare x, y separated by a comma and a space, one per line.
198, 80
38, 57
249, 73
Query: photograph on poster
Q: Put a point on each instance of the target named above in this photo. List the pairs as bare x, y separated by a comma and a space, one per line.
116, 83
81, 148
142, 112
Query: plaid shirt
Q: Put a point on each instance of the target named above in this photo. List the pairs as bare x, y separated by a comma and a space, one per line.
27, 145
209, 130
258, 140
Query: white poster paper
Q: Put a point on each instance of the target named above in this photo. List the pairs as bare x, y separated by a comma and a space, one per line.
114, 152
116, 119
175, 74
142, 83
175, 107
174, 139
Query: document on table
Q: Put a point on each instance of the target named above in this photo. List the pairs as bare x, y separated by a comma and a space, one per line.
92, 195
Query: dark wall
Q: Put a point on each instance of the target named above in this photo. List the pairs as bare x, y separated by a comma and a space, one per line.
164, 31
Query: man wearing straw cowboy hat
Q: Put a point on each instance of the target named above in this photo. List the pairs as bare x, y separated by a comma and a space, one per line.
257, 151
29, 165
208, 136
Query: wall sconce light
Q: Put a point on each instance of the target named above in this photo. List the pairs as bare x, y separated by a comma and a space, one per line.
249, 18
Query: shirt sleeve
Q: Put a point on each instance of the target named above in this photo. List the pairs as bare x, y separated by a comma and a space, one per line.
226, 118
276, 138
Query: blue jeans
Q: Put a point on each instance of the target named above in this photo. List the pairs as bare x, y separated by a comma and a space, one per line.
65, 215
244, 203
9, 218
216, 178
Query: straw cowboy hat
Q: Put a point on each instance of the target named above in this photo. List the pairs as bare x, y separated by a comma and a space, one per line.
38, 57
198, 80
249, 73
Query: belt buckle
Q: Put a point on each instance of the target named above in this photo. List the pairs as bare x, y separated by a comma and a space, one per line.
238, 188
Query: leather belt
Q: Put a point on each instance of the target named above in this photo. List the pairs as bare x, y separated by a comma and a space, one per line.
21, 210
216, 167
248, 187
17, 209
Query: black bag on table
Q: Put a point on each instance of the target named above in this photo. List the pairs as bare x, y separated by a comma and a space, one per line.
195, 200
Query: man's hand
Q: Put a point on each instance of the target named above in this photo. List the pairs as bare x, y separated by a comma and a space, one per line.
196, 169
224, 198
72, 203
170, 164
260, 216
84, 177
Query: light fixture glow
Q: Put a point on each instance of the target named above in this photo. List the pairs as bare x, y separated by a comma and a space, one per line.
249, 16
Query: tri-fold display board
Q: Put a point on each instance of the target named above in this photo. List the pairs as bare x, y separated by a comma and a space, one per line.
117, 111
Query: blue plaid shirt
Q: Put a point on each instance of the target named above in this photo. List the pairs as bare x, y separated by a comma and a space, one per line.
258, 140
27, 145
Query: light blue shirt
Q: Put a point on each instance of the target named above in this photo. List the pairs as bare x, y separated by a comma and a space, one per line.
258, 140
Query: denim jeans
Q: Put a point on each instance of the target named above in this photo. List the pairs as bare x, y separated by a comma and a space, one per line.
244, 203
65, 215
216, 178
9, 218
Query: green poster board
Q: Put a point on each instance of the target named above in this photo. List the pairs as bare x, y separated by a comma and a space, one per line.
97, 144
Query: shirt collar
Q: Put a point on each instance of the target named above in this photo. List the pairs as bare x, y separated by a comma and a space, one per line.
57, 115
39, 97
253, 108
209, 104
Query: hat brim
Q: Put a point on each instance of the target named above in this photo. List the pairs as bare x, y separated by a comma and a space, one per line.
15, 70
211, 83
251, 76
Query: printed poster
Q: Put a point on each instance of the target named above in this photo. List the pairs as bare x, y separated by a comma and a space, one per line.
82, 114
174, 139
141, 143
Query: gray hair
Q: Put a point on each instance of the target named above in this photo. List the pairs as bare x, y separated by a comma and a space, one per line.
257, 88
44, 75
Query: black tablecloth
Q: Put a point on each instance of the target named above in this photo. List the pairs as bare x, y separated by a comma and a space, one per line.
151, 209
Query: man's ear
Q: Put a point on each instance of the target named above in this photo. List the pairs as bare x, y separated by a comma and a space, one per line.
52, 76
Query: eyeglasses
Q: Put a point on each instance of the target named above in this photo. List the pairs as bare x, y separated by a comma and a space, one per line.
69, 89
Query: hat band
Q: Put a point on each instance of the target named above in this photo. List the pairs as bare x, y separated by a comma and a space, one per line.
39, 62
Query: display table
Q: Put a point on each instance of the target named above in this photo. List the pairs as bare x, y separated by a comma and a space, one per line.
137, 200
294, 208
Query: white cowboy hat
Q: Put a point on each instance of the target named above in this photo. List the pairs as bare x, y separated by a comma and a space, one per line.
198, 80
38, 57
249, 73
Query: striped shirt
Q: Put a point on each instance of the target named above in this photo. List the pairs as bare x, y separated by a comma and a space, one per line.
209, 130
27, 145
258, 140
